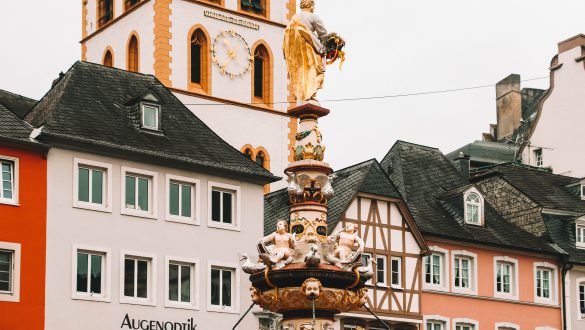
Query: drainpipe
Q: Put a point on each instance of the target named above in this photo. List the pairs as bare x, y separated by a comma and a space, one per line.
565, 269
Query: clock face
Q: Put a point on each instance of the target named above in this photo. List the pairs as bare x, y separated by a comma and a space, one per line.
232, 54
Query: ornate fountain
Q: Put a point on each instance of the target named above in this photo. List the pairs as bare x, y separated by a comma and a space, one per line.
304, 273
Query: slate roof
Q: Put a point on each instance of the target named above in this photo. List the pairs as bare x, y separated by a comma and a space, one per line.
367, 177
433, 190
18, 104
546, 189
97, 108
561, 229
486, 152
14, 130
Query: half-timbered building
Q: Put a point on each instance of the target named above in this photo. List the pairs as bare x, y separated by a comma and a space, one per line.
365, 196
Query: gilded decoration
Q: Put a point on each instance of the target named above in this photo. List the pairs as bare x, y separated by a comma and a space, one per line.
302, 188
338, 300
310, 231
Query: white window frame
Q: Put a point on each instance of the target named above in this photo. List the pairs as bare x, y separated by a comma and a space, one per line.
237, 220
553, 300
106, 206
152, 278
158, 116
579, 281
152, 196
481, 208
545, 328
369, 255
194, 304
513, 278
465, 321
106, 295
14, 294
195, 200
399, 285
472, 290
506, 325
539, 157
436, 318
580, 223
582, 186
15, 181
384, 282
235, 308
443, 286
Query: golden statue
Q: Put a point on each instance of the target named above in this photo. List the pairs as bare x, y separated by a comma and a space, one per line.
304, 52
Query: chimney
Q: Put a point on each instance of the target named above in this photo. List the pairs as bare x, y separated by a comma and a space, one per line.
463, 164
509, 106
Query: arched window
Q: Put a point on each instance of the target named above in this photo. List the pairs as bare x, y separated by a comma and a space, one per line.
199, 61
260, 158
262, 76
473, 209
108, 59
133, 54
248, 153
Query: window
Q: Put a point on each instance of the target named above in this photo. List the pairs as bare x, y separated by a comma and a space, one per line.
9, 180
132, 57
433, 265
108, 58
130, 3
248, 153
9, 272
138, 190
222, 287
181, 285
262, 76
473, 207
463, 326
580, 233
582, 299
545, 275
89, 273
462, 271
138, 276
92, 185
435, 325
199, 63
538, 158
506, 277
366, 260
260, 156
507, 326
150, 116
543, 283
183, 199
105, 11
381, 270
224, 206
583, 191
396, 271
254, 6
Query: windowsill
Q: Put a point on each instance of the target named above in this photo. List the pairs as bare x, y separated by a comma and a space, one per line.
136, 301
9, 297
545, 301
178, 305
260, 102
396, 287
138, 214
506, 296
434, 287
215, 309
92, 207
253, 13
464, 291
9, 202
78, 296
185, 221
197, 88
580, 245
219, 225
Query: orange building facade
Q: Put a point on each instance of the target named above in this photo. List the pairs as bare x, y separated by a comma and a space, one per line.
22, 237
533, 301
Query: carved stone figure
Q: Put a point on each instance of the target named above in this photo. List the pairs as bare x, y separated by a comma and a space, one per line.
296, 185
303, 51
366, 272
346, 239
313, 258
280, 253
255, 295
325, 182
312, 288
249, 267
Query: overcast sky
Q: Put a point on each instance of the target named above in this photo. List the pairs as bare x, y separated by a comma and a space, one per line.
393, 47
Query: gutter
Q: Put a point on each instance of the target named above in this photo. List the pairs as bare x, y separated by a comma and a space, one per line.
565, 269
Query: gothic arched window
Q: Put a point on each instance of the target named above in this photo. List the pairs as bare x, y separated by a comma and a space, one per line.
199, 71
262, 76
108, 59
133, 59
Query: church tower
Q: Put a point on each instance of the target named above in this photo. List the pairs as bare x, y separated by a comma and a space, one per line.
222, 58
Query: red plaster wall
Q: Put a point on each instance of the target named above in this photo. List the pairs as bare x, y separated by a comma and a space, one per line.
26, 224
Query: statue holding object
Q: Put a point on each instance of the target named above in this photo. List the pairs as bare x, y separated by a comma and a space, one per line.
346, 240
279, 253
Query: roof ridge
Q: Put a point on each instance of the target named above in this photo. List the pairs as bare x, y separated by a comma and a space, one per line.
356, 165
114, 69
17, 95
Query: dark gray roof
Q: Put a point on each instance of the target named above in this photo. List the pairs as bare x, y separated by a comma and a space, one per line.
486, 152
18, 104
544, 188
561, 230
433, 190
98, 108
16, 131
367, 177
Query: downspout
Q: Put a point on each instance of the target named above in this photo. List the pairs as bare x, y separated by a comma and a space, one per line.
565, 269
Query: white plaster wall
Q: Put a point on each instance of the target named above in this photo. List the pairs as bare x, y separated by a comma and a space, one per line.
116, 36
557, 131
240, 126
185, 15
67, 226
574, 277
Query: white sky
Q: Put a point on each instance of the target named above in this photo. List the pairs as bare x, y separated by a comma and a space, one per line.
393, 47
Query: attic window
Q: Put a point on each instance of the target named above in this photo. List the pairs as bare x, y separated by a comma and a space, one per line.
583, 191
150, 116
473, 208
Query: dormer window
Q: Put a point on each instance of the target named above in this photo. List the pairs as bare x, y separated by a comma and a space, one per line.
583, 191
580, 234
150, 116
473, 207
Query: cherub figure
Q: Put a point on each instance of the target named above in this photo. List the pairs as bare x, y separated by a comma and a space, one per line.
346, 239
283, 242
312, 288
